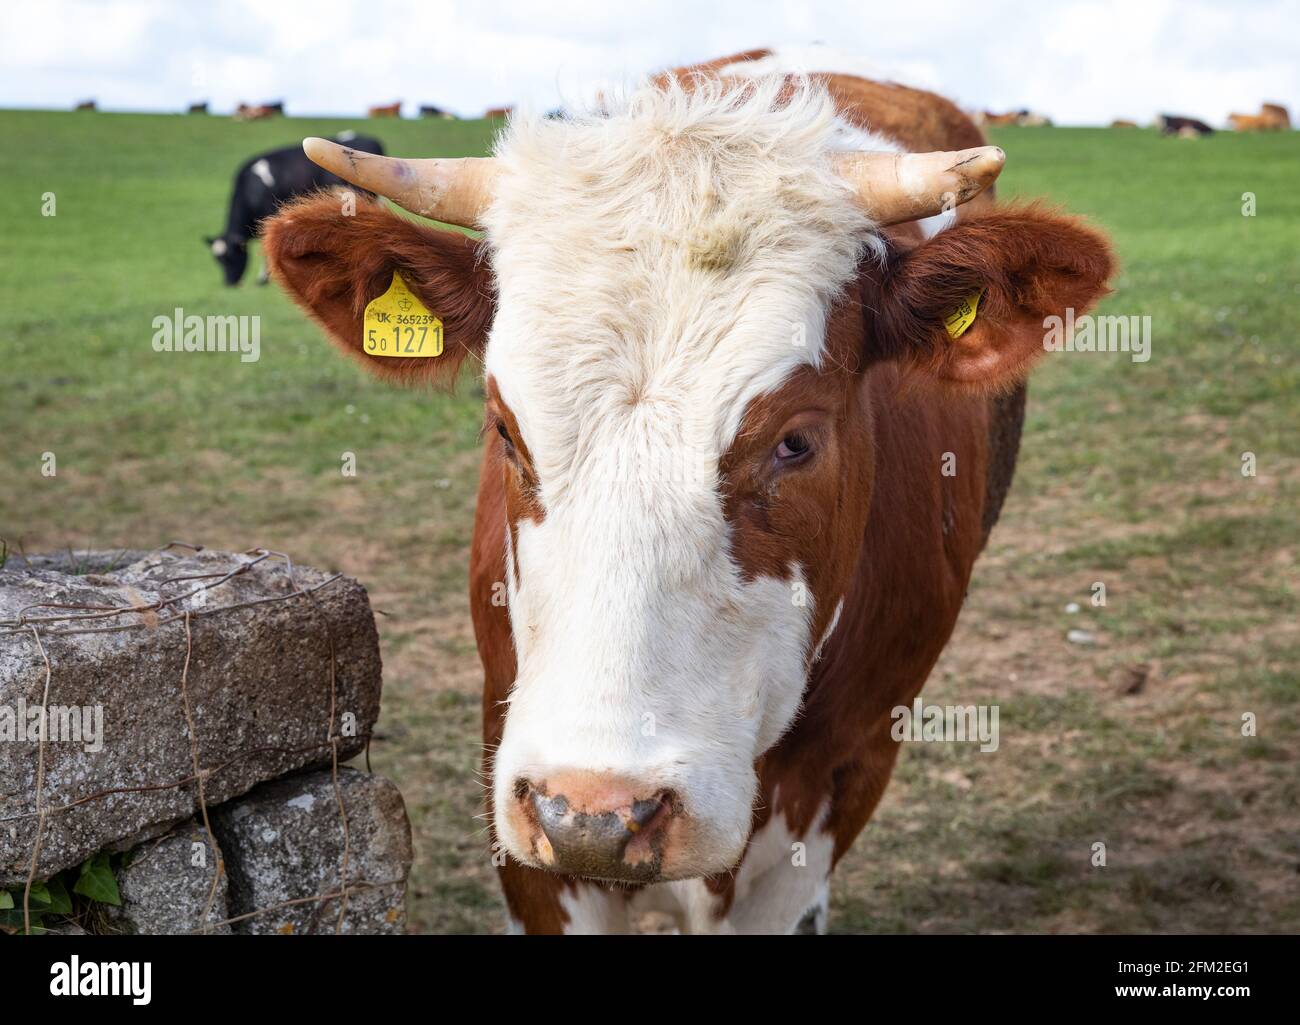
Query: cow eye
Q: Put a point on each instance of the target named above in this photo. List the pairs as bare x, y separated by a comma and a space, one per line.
794, 446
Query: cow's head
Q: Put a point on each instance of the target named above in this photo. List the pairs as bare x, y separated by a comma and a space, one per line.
231, 252
675, 306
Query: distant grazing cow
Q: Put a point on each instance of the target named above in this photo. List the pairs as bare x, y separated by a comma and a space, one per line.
1272, 117
1186, 127
492, 112
1123, 123
745, 436
262, 184
429, 110
199, 108
244, 112
1025, 118
85, 105
386, 110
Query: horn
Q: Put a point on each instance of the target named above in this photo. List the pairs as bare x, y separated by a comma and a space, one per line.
896, 187
455, 191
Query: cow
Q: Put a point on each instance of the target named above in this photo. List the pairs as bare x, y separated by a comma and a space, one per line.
1024, 118
429, 110
497, 112
386, 110
245, 112
715, 545
86, 105
1184, 127
261, 185
199, 108
1272, 117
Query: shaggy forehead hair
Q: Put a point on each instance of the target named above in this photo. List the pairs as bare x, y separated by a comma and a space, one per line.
675, 256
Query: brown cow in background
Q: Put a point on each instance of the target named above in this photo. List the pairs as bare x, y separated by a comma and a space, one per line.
261, 112
1272, 117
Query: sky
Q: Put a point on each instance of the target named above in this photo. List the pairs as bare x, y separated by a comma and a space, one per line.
1078, 61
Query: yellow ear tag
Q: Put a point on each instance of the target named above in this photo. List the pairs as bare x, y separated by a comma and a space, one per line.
963, 316
398, 325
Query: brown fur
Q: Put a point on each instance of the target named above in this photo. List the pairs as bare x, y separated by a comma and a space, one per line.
916, 119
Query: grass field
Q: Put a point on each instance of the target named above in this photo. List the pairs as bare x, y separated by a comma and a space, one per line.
1130, 474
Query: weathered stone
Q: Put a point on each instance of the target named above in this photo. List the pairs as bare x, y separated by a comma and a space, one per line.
166, 885
258, 682
285, 842
82, 562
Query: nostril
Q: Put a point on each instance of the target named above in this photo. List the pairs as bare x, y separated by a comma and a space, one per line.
644, 812
550, 810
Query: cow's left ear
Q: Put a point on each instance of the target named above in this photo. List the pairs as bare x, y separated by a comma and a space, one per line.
1024, 263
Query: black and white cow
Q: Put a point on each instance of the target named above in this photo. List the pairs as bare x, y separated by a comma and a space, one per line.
262, 184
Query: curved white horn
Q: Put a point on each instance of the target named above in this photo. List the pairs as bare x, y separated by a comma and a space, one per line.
454, 190
897, 187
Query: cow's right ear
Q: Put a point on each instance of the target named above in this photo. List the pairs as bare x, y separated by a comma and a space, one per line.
333, 263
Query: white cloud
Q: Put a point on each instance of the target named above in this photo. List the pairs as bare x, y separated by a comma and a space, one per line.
1079, 61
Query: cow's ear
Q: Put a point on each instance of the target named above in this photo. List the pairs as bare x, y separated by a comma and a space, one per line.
1024, 263
333, 263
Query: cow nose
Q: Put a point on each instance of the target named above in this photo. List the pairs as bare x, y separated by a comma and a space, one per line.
618, 836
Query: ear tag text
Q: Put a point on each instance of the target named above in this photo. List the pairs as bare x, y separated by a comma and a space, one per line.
398, 325
963, 316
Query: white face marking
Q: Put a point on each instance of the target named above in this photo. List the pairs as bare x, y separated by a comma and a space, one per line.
219, 247
263, 170
657, 270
